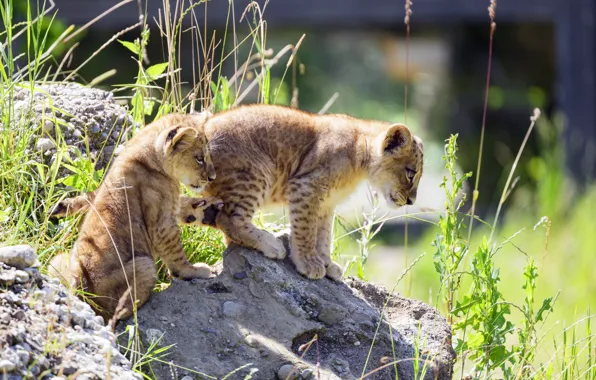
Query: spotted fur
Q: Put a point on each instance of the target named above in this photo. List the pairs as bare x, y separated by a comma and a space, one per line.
132, 217
267, 154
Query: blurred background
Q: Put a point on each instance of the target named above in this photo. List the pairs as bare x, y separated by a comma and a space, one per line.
352, 59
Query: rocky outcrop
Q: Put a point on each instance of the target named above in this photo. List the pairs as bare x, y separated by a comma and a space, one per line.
86, 120
261, 316
45, 332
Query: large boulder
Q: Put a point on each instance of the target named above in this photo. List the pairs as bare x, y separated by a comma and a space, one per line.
260, 314
46, 332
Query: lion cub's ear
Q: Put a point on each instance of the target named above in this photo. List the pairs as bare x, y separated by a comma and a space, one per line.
178, 139
398, 136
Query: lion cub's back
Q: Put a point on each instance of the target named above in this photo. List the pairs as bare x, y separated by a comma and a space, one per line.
260, 135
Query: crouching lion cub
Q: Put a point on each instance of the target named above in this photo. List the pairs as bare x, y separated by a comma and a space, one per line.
132, 217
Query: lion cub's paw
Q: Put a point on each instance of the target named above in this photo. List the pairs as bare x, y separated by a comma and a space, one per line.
201, 211
198, 270
63, 208
334, 271
312, 267
272, 247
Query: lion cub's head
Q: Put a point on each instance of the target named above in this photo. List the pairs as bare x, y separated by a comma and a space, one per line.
397, 171
186, 155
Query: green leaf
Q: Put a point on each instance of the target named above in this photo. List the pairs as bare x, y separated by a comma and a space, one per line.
131, 46
4, 215
546, 306
156, 70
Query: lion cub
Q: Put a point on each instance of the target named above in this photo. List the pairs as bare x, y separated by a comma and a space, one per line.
267, 154
132, 217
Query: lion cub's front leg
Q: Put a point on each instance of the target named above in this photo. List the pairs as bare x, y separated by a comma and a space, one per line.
169, 247
235, 219
304, 218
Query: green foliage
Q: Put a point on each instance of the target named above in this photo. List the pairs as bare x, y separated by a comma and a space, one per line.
223, 98
141, 104
451, 248
481, 317
84, 177
368, 227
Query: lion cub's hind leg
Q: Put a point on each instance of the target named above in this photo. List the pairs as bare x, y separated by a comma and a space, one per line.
138, 274
305, 204
325, 225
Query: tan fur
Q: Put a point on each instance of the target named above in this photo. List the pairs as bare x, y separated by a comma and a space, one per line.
270, 154
132, 216
191, 210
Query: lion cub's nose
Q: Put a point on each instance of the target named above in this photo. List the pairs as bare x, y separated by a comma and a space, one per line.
211, 177
410, 202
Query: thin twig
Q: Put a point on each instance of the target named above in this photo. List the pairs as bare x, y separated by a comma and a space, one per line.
493, 25
408, 15
533, 119
95, 53
95, 19
329, 103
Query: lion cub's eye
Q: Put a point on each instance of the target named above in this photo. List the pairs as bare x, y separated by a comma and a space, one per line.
199, 160
410, 174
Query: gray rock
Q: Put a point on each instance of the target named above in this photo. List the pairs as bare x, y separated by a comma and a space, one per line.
24, 357
232, 309
48, 127
153, 335
276, 314
21, 276
44, 144
7, 277
73, 107
5, 318
7, 366
307, 374
78, 318
331, 315
341, 366
13, 298
288, 372
37, 314
18, 256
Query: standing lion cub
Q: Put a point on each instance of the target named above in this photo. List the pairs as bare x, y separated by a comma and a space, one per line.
267, 154
132, 217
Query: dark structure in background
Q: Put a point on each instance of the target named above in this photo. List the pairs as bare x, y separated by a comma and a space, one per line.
569, 24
